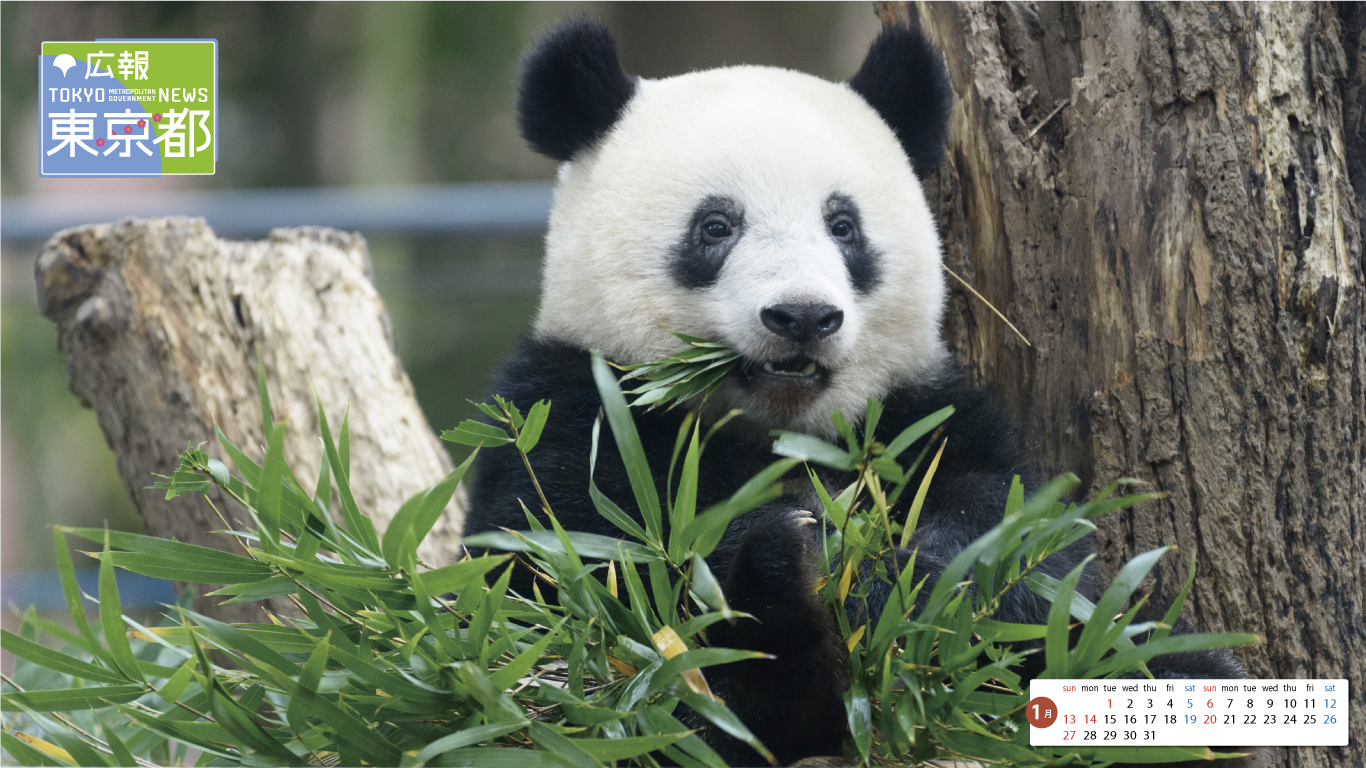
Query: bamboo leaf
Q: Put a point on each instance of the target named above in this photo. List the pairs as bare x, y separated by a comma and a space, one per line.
1059, 625
629, 446
19, 747
704, 533
72, 591
477, 434
1174, 612
57, 661
684, 508
358, 525
698, 658
910, 434
913, 515
558, 745
177, 569
727, 721
457, 576
271, 487
707, 588
807, 448
465, 738
177, 730
166, 553
111, 618
516, 669
297, 712
530, 433
1112, 602
605, 506
267, 416
611, 750
502, 757
1174, 644
860, 714
119, 750
417, 516
585, 544
67, 699
81, 752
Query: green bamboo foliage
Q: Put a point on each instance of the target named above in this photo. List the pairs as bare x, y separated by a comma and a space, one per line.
383, 659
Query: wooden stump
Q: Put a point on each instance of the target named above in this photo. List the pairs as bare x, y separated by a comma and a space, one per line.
161, 323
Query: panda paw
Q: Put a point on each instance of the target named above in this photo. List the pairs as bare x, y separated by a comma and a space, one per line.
773, 567
792, 701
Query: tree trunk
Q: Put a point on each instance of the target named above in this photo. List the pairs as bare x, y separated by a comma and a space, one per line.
1159, 196
162, 323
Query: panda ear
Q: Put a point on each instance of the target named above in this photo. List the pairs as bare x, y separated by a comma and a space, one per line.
903, 77
572, 89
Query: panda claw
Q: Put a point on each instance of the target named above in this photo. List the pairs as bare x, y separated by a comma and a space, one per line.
803, 517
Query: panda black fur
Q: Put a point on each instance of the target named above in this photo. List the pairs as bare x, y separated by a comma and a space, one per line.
780, 214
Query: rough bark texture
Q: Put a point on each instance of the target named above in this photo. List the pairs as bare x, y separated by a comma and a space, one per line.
161, 324
1162, 198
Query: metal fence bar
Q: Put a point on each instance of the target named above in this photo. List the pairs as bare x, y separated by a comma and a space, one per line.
493, 208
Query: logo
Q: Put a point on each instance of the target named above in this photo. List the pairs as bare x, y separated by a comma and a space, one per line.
128, 108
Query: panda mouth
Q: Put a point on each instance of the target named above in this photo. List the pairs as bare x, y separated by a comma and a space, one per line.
799, 371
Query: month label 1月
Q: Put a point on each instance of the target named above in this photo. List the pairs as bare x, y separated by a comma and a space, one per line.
1188, 713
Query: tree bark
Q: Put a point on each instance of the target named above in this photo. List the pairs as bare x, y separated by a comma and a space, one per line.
1161, 198
161, 323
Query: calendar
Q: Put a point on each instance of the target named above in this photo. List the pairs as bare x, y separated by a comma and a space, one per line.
1193, 713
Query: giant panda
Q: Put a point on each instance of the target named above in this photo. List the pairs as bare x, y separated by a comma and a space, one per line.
783, 215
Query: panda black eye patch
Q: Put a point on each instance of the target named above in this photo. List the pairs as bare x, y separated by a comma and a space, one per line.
845, 228
714, 228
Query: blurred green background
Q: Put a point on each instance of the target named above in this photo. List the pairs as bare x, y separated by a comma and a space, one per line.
339, 94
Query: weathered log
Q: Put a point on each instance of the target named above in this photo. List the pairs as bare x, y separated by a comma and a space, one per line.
161, 323
1160, 197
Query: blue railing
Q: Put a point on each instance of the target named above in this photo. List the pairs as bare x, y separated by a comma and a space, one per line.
43, 589
502, 207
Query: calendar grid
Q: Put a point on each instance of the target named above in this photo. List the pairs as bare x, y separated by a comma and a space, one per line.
1247, 713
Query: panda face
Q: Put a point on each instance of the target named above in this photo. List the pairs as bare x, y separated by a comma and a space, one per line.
766, 209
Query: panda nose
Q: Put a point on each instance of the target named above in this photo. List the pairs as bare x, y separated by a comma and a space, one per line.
802, 322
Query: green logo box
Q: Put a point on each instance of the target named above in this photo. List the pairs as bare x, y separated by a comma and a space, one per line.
117, 107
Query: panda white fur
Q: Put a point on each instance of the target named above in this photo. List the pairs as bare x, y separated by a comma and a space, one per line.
782, 215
